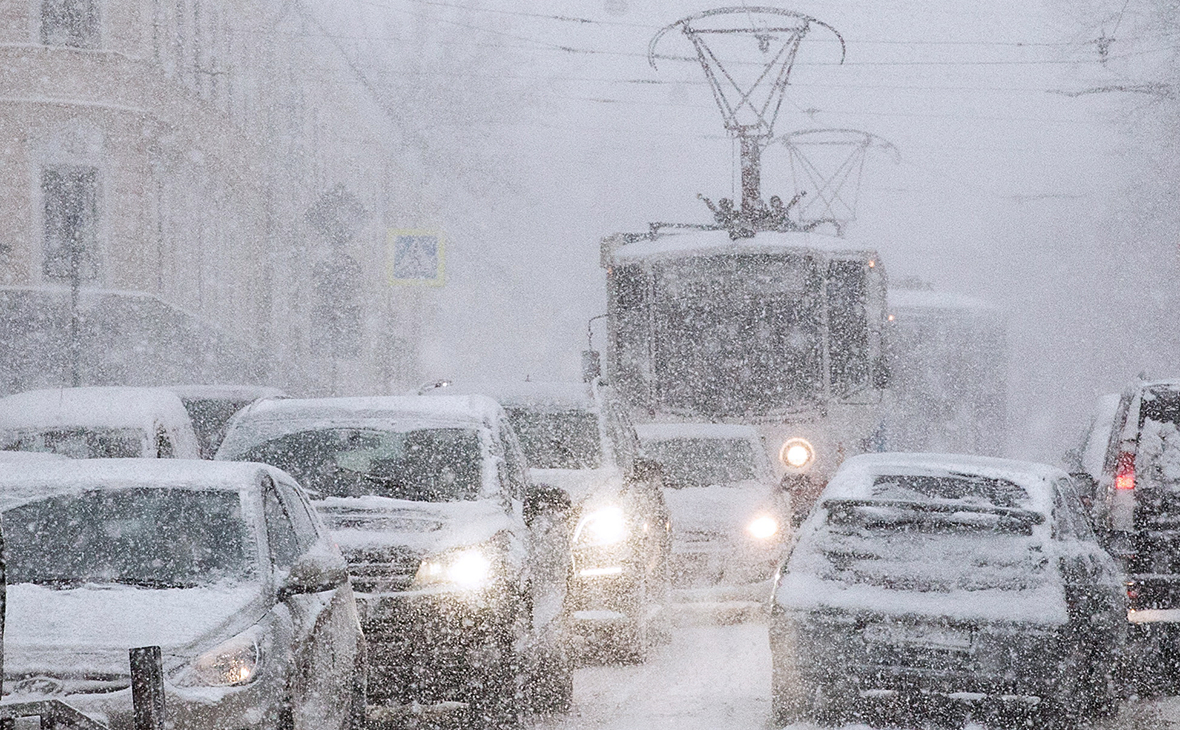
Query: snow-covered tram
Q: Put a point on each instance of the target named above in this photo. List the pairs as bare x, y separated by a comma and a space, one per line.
783, 331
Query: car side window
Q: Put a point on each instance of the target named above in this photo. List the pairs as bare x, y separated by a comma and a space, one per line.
1116, 434
622, 434
1069, 520
515, 473
297, 508
165, 449
280, 533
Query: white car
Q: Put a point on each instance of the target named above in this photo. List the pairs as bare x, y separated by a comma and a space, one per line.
223, 566
731, 520
98, 422
459, 561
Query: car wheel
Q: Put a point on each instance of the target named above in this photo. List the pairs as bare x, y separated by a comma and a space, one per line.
551, 682
358, 706
496, 700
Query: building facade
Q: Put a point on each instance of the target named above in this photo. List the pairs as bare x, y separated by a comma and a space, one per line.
175, 174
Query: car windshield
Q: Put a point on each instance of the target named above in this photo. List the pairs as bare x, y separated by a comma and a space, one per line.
558, 439
78, 443
149, 537
703, 462
422, 465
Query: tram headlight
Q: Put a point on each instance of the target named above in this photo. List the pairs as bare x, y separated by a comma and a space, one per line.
797, 453
763, 527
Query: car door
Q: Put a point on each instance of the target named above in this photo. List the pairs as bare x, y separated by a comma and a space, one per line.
325, 654
1094, 588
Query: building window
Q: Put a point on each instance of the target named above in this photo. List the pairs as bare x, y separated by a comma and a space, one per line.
71, 23
70, 195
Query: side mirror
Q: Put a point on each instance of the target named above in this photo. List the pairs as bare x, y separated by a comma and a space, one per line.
314, 572
544, 498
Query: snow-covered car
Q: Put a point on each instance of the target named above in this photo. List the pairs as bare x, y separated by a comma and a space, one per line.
98, 422
1128, 467
731, 521
460, 563
963, 578
224, 566
210, 408
577, 437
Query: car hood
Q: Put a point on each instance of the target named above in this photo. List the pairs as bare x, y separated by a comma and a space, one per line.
582, 484
723, 508
86, 631
366, 523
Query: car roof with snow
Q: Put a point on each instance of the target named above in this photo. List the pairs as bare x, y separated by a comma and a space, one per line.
226, 392
927, 299
859, 477
22, 482
679, 244
30, 457
545, 394
671, 431
269, 419
96, 406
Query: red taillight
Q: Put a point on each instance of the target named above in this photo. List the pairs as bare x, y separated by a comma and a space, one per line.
1124, 473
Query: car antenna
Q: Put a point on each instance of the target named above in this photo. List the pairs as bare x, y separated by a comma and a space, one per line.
433, 385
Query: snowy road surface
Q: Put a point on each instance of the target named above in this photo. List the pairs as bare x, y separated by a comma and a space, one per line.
718, 678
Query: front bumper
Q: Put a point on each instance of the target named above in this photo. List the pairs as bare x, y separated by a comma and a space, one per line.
249, 707
431, 647
879, 653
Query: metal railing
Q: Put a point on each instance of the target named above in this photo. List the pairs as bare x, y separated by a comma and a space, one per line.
147, 698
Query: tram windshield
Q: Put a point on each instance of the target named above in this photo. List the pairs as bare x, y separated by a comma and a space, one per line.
738, 335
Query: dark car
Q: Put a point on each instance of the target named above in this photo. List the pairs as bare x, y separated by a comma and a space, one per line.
224, 566
212, 406
957, 578
1128, 467
460, 563
577, 437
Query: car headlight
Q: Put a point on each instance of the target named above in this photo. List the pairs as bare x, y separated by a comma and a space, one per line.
603, 526
231, 663
797, 453
468, 568
763, 528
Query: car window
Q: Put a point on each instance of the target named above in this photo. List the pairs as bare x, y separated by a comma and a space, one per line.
419, 464
281, 535
622, 436
78, 443
703, 462
557, 439
306, 533
145, 537
515, 467
165, 449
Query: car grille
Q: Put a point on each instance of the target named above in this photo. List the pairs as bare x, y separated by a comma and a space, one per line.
380, 570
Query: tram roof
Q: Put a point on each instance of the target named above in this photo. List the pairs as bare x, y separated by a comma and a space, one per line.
678, 244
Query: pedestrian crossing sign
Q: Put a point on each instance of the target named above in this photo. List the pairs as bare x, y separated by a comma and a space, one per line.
416, 258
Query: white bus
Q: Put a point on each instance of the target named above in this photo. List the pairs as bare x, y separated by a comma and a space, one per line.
950, 372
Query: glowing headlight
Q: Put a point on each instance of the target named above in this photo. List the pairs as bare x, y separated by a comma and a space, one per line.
797, 453
763, 528
233, 662
469, 568
603, 526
